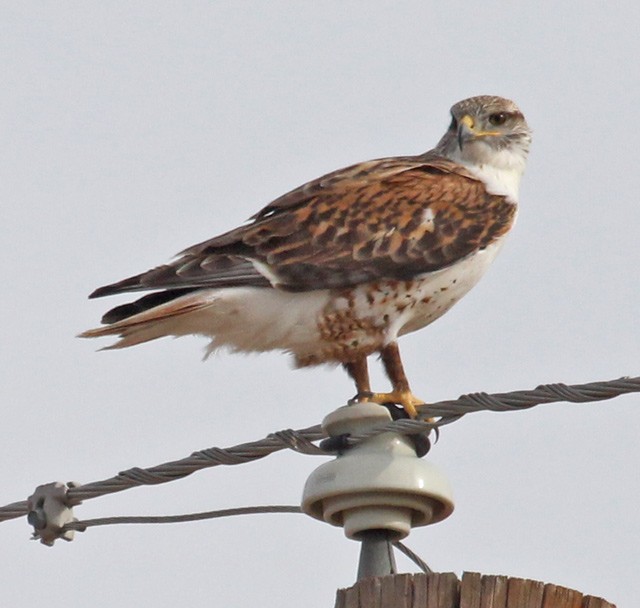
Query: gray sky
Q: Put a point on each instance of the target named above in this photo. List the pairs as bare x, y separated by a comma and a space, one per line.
132, 130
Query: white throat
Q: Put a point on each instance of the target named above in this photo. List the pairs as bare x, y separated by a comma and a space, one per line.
501, 171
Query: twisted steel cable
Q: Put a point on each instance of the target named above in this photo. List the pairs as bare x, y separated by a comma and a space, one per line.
302, 440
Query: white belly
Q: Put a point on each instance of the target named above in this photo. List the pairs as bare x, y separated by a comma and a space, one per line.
445, 287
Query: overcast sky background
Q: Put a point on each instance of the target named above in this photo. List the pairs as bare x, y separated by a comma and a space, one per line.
132, 130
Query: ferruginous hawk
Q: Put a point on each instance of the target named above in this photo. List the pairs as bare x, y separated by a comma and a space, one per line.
339, 268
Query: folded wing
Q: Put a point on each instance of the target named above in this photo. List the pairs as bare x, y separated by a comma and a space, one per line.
392, 218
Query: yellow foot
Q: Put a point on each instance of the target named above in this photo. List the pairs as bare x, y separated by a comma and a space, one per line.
404, 398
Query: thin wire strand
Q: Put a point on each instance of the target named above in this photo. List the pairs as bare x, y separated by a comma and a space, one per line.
416, 559
81, 526
301, 440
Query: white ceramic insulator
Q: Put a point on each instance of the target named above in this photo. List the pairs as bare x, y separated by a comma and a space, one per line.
380, 484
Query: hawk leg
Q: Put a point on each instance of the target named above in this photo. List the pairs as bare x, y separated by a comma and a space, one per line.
359, 372
401, 393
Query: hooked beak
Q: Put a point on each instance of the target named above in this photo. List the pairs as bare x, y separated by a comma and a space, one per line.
467, 131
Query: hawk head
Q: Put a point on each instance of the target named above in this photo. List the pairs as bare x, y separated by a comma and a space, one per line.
487, 130
489, 136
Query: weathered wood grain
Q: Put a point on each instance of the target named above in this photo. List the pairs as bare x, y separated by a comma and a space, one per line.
444, 590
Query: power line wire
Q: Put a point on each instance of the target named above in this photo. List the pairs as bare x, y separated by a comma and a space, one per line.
302, 439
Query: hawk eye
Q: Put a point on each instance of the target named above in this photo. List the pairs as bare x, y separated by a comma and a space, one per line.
497, 119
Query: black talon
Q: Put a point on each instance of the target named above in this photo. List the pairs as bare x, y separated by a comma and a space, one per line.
397, 412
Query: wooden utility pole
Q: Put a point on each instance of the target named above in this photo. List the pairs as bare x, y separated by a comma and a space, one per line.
445, 590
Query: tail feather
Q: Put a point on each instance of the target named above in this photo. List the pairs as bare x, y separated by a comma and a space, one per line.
152, 300
168, 319
243, 319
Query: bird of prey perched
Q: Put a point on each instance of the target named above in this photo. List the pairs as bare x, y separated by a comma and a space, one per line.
339, 268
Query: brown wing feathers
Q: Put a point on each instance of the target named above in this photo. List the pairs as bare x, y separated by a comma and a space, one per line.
365, 229
393, 218
190, 272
